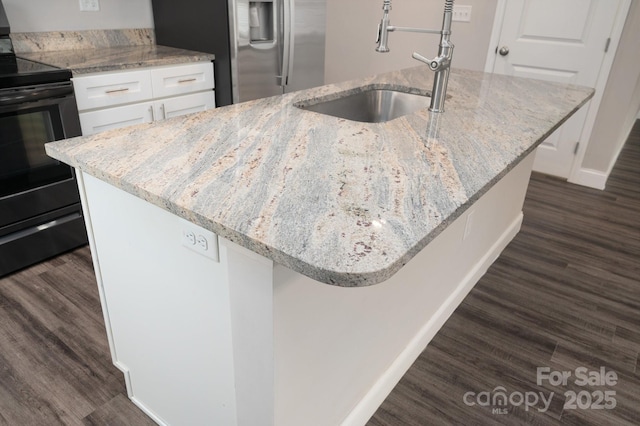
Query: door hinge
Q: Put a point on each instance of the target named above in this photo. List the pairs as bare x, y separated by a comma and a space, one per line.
606, 46
575, 150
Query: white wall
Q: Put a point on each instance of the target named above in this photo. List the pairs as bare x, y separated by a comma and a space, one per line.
351, 29
620, 103
351, 34
65, 15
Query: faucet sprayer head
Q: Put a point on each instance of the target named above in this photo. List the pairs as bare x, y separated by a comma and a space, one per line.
383, 32
441, 64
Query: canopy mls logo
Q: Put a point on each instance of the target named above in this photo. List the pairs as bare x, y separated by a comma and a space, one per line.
499, 400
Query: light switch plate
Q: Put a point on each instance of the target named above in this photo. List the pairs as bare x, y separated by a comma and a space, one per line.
461, 13
89, 5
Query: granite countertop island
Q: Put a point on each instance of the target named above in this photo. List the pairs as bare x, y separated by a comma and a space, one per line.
343, 202
213, 236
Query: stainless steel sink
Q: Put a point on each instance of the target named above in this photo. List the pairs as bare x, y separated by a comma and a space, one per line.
371, 105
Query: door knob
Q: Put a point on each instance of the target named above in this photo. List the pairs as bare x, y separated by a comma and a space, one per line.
504, 51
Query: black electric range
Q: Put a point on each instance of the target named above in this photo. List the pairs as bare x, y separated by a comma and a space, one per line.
15, 72
40, 212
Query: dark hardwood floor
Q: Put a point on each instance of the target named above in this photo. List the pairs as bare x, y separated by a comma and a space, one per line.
55, 364
564, 294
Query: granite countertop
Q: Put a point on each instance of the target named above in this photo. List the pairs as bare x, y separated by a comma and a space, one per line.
343, 202
103, 59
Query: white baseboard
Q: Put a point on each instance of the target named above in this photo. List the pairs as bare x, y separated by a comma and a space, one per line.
368, 405
148, 412
590, 178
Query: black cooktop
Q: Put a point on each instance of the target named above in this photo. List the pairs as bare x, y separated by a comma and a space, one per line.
15, 72
18, 72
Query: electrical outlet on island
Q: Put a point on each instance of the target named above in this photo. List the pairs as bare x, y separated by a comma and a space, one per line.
89, 5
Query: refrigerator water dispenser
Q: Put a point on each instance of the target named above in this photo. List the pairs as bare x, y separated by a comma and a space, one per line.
263, 47
261, 21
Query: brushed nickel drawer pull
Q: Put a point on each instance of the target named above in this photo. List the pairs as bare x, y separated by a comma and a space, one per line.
126, 89
187, 80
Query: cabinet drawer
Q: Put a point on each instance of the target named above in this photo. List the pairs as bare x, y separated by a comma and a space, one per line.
99, 91
113, 118
182, 79
186, 104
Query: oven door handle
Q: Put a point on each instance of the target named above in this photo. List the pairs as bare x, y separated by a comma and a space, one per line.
33, 95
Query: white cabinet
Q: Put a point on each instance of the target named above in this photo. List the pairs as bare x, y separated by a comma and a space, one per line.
172, 81
117, 99
181, 105
113, 118
105, 90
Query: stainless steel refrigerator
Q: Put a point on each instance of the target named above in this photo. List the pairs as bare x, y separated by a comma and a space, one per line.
262, 48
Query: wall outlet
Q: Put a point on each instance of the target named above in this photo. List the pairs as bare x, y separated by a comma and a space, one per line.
202, 242
198, 239
461, 13
89, 5
188, 237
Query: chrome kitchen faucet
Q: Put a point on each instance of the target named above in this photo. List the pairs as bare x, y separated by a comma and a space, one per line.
440, 65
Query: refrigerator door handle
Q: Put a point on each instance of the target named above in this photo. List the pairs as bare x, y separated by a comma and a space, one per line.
292, 38
242, 32
288, 11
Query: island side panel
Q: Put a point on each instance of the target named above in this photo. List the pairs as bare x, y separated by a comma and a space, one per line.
169, 314
340, 351
251, 289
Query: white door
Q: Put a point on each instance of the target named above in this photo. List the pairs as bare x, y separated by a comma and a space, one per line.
557, 40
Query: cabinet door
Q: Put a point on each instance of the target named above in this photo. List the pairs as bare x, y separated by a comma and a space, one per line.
182, 79
110, 89
113, 118
181, 105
